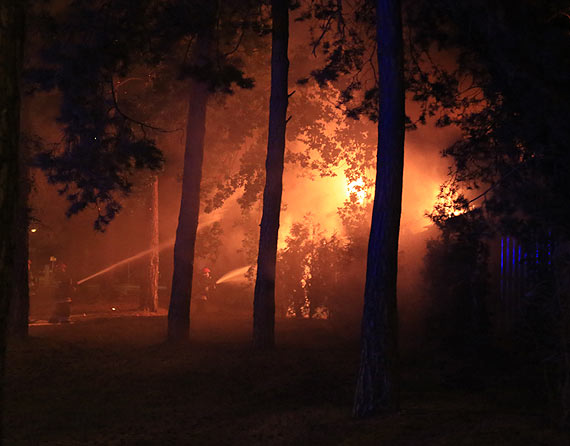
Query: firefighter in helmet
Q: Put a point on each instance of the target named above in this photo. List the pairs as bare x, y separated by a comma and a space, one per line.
204, 288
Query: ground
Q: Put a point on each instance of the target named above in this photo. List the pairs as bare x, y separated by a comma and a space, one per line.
112, 381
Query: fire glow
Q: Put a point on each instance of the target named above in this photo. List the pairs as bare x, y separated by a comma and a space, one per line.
358, 190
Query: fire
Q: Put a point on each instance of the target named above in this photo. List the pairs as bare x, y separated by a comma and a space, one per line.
357, 189
448, 201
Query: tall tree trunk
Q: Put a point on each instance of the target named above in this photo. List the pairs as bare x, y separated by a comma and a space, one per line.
179, 310
11, 55
20, 300
264, 294
19, 310
378, 378
149, 294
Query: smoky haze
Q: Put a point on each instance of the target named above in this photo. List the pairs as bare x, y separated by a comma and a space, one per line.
229, 230
308, 198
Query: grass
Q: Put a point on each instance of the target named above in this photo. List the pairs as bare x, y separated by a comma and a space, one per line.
112, 381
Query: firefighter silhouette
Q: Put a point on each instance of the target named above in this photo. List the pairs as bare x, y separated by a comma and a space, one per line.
204, 287
63, 295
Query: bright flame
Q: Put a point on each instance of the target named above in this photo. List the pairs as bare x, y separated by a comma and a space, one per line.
446, 200
357, 188
33, 230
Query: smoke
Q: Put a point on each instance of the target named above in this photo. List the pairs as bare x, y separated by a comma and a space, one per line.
305, 193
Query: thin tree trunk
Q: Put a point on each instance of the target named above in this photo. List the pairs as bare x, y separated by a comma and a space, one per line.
264, 294
378, 378
179, 310
149, 295
11, 56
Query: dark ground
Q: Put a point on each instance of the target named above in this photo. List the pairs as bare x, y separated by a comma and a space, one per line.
111, 381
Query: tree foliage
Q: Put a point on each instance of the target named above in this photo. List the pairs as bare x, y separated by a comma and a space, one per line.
93, 46
510, 71
90, 45
510, 102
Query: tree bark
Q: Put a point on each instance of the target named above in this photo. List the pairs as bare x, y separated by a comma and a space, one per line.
11, 56
149, 295
378, 378
20, 300
179, 309
19, 307
264, 294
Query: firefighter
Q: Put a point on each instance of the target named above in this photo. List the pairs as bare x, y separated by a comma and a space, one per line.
63, 295
205, 287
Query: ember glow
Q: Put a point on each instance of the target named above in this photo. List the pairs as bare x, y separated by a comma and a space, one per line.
447, 200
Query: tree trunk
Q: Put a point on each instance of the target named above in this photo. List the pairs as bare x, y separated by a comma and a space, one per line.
149, 294
11, 52
179, 310
19, 310
378, 378
264, 294
20, 300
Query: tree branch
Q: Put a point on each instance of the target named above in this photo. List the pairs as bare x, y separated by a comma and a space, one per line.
143, 125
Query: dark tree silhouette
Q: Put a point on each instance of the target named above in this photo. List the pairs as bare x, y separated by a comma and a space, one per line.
512, 65
209, 71
20, 299
85, 49
264, 293
12, 31
179, 310
378, 377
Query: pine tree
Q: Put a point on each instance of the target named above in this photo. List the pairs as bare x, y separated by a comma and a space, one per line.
378, 378
12, 31
264, 293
